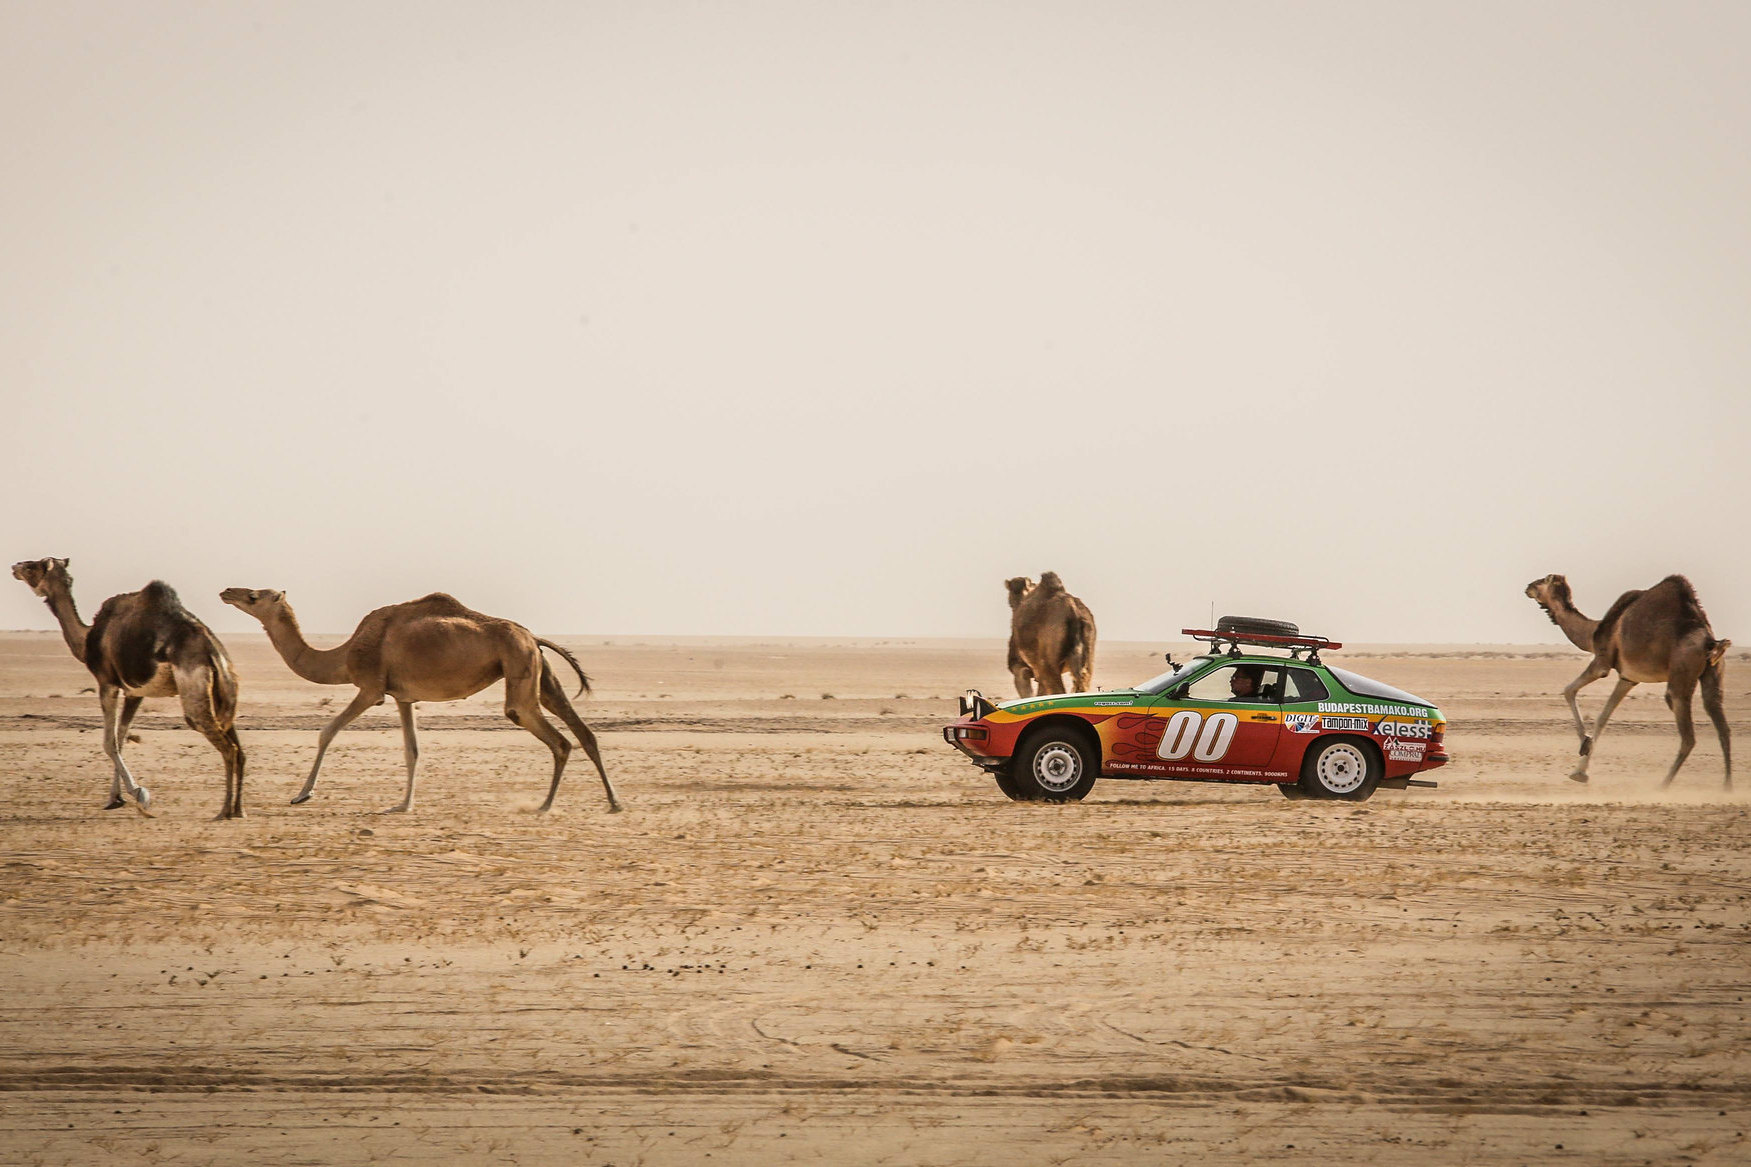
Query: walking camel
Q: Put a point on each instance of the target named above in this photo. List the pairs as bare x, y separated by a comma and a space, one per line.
430, 649
1051, 633
1660, 634
146, 644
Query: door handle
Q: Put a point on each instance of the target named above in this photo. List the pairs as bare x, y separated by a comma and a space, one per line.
1264, 717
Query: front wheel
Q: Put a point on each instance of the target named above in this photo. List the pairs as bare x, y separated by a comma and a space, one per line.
1054, 766
1342, 768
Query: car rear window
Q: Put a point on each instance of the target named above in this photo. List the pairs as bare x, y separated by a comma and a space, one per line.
1363, 687
1304, 685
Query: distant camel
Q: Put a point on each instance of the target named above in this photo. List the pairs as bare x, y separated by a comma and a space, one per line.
430, 649
1051, 633
1660, 634
146, 644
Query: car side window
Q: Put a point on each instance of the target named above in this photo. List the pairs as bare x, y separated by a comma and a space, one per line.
1245, 684
1304, 685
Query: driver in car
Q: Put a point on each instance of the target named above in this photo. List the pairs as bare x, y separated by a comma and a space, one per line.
1245, 683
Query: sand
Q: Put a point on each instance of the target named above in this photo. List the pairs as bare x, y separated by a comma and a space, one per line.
818, 935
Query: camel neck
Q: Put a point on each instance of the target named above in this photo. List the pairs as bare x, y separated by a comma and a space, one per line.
324, 666
73, 630
1578, 628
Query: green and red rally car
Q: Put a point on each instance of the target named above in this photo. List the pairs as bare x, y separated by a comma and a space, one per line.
1311, 730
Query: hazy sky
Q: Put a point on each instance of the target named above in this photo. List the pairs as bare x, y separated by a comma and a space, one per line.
824, 318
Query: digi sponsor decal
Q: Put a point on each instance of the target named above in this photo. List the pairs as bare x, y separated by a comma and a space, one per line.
1302, 722
1361, 723
1415, 730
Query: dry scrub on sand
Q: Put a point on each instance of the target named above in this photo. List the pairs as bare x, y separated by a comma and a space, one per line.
817, 935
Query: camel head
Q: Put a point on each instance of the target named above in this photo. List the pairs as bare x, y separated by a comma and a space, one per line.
1018, 587
258, 602
1550, 593
41, 574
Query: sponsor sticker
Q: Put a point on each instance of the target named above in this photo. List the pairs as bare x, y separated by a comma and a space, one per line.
1420, 729
1302, 722
1398, 750
1360, 723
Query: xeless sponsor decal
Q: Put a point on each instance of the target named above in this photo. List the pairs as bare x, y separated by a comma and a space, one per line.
1406, 729
1361, 723
1302, 722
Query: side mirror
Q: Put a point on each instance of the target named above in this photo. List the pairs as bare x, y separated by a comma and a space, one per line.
1177, 693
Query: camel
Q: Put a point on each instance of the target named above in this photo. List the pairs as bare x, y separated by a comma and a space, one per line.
430, 649
1661, 634
1051, 633
146, 644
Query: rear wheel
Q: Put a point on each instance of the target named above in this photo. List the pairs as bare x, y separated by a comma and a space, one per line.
1291, 791
1054, 765
1342, 767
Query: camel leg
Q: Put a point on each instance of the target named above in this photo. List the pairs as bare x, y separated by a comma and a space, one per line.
1024, 680
130, 706
1595, 669
554, 700
523, 707
1679, 688
195, 687
231, 750
362, 701
111, 700
410, 748
1711, 701
1618, 693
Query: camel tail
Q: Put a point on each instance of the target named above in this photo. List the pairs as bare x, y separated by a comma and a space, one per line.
1717, 654
570, 660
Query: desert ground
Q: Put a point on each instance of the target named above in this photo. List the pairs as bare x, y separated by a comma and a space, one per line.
819, 935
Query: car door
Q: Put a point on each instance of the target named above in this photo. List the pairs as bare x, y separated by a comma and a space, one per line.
1209, 732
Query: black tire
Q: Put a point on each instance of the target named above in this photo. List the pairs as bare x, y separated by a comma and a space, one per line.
1345, 768
1254, 626
1291, 791
1011, 789
1054, 765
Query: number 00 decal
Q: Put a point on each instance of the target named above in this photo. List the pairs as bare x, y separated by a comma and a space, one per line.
1189, 733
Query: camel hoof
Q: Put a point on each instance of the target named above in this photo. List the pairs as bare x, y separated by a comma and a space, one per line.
1586, 746
615, 808
115, 804
1578, 776
300, 799
396, 810
143, 797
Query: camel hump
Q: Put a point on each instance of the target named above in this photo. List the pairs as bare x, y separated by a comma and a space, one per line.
141, 630
160, 596
441, 604
1049, 582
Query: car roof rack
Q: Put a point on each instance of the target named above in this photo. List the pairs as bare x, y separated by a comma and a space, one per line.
1311, 645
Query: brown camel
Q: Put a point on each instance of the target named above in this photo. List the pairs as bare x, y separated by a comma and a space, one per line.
146, 644
430, 649
1051, 633
1660, 634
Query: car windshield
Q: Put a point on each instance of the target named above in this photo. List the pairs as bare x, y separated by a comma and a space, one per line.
1172, 677
1364, 687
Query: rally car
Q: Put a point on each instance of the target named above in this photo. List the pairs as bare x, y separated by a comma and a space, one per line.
1292, 721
